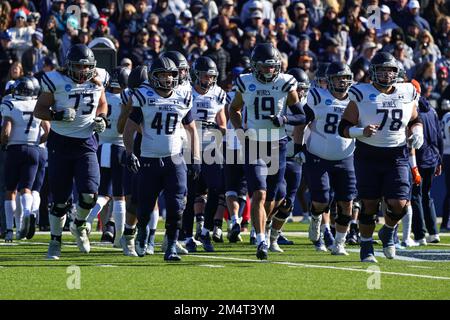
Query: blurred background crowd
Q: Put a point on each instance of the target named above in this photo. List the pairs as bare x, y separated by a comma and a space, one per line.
35, 35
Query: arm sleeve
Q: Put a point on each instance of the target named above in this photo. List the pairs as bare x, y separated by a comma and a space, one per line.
297, 117
309, 113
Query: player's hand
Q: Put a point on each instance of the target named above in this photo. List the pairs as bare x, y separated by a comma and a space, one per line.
370, 130
278, 121
416, 139
100, 123
417, 179
67, 115
132, 163
299, 158
194, 170
438, 171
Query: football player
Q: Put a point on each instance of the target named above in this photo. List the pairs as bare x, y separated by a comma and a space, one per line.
329, 157
21, 136
160, 112
110, 154
293, 174
377, 116
265, 93
73, 99
208, 111
136, 77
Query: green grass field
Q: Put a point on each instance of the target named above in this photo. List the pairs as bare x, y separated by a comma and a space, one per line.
232, 272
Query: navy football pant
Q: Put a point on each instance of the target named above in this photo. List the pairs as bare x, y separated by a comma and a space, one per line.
22, 162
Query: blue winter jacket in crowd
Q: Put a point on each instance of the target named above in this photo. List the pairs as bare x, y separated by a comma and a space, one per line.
430, 154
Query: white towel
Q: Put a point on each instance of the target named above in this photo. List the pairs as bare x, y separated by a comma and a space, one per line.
105, 157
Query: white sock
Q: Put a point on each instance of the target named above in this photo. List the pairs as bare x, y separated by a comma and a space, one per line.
128, 226
26, 201
306, 214
340, 237
389, 226
56, 224
36, 203
18, 213
154, 217
407, 223
354, 222
10, 208
260, 237
366, 239
204, 231
234, 220
325, 226
119, 209
101, 202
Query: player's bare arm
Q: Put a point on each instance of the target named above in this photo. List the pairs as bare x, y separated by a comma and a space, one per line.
102, 104
6, 130
348, 125
192, 133
125, 112
128, 135
221, 121
42, 110
236, 110
45, 125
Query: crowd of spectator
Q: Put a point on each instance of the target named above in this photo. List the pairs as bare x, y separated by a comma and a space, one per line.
35, 35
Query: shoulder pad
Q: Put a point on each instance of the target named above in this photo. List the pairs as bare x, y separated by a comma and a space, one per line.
355, 93
290, 83
8, 104
139, 97
240, 85
221, 96
314, 92
49, 80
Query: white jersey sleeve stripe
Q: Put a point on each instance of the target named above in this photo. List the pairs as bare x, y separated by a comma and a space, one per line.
49, 83
8, 104
357, 93
240, 84
139, 97
288, 85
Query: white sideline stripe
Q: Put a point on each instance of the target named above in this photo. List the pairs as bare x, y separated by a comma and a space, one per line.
211, 265
420, 267
105, 265
288, 264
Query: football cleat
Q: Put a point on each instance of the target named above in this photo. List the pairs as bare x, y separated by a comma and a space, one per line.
81, 237
32, 228
353, 235
282, 240
171, 251
128, 245
88, 228
433, 238
409, 243
150, 249
9, 236
54, 250
20, 234
306, 220
191, 245
274, 247
314, 228
366, 252
386, 235
206, 243
141, 248
421, 242
320, 244
198, 229
328, 238
234, 233
338, 250
180, 249
217, 235
262, 251
108, 234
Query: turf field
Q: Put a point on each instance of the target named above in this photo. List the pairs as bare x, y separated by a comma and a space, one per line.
232, 272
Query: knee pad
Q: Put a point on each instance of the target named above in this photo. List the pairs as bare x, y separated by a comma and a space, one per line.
60, 210
284, 210
174, 221
393, 216
342, 219
201, 198
367, 219
87, 200
316, 212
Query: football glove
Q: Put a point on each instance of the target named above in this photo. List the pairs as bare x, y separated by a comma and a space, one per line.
278, 121
100, 123
417, 179
67, 115
299, 158
132, 163
209, 125
194, 170
416, 138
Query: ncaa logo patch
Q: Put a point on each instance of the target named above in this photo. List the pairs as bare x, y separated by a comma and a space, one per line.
372, 97
252, 87
150, 93
68, 87
328, 102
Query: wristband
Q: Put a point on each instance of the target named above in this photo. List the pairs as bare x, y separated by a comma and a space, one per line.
355, 132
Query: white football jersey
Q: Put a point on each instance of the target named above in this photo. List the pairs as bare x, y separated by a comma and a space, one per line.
290, 132
446, 132
205, 108
84, 98
110, 135
162, 128
262, 100
25, 127
324, 140
391, 112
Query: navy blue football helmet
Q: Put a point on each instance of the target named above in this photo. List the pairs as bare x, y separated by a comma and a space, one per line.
303, 83
137, 76
23, 89
119, 78
383, 69
339, 77
205, 66
265, 57
78, 58
180, 62
163, 65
